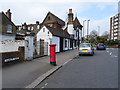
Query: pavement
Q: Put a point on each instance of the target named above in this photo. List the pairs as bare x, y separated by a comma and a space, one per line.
29, 74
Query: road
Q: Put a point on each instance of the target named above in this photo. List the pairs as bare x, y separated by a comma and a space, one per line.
98, 71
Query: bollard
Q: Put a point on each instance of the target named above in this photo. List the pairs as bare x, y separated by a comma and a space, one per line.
52, 54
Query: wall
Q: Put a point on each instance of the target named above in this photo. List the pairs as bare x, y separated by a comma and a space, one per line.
56, 40
29, 47
13, 45
5, 22
70, 29
3, 37
12, 57
10, 45
44, 36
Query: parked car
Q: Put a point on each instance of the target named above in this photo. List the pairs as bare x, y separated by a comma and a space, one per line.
86, 48
101, 46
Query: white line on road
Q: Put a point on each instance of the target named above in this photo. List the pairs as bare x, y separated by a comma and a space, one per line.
110, 53
67, 62
115, 56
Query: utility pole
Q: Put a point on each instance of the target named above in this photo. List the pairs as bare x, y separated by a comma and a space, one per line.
98, 30
78, 37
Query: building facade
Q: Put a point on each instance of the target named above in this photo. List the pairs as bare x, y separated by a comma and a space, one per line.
114, 27
7, 27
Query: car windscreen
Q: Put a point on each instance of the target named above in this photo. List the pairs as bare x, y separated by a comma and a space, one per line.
85, 45
101, 44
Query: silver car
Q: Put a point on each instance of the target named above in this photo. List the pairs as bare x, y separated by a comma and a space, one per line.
86, 48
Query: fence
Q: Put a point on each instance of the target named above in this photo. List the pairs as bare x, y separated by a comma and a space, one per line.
41, 49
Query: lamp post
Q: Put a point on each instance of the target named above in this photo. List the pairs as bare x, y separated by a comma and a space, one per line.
87, 28
98, 30
83, 29
78, 37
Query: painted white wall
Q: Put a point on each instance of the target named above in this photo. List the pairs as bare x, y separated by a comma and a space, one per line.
56, 40
5, 37
70, 29
13, 45
30, 48
10, 45
44, 35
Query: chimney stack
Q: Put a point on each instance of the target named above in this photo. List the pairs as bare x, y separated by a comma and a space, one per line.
70, 17
8, 14
24, 25
37, 22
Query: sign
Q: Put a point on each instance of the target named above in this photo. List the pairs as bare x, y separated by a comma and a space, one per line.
11, 59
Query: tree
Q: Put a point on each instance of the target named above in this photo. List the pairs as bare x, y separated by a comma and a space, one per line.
106, 34
92, 36
94, 33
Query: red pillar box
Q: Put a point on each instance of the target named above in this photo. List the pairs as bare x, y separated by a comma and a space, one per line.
52, 54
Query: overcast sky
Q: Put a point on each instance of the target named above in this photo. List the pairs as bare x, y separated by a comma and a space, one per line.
30, 11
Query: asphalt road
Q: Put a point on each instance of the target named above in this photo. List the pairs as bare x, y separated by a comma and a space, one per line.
98, 71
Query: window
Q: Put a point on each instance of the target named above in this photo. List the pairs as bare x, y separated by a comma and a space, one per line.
28, 28
38, 27
49, 18
43, 29
9, 28
32, 28
20, 28
48, 32
65, 43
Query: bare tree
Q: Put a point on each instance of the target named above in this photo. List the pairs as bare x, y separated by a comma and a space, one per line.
93, 33
106, 34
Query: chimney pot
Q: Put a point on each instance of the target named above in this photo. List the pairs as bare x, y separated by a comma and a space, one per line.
70, 10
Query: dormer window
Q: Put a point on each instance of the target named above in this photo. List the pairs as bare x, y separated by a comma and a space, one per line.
9, 28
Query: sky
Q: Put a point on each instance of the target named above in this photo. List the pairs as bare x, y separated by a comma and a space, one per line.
30, 11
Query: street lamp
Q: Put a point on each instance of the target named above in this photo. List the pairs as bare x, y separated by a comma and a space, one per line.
98, 30
87, 28
78, 36
83, 29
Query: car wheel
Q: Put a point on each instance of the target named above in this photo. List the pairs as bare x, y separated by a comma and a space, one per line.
80, 54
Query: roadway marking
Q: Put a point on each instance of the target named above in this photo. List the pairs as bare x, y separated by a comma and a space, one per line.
115, 56
110, 53
44, 86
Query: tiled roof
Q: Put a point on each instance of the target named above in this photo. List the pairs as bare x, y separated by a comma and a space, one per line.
54, 19
76, 23
58, 32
